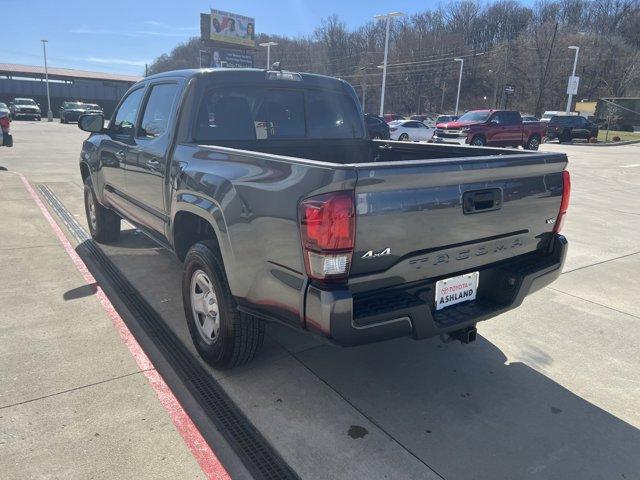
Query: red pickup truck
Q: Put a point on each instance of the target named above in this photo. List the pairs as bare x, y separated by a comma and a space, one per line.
495, 128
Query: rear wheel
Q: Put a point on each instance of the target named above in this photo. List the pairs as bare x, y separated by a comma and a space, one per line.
404, 137
104, 224
533, 143
223, 336
478, 141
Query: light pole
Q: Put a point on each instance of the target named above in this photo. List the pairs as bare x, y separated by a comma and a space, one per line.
573, 74
387, 17
268, 45
461, 60
46, 76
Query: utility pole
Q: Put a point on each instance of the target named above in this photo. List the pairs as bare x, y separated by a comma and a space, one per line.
364, 96
461, 60
268, 45
573, 74
444, 87
537, 111
387, 17
46, 75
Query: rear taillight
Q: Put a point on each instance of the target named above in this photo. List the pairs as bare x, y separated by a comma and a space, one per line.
564, 203
327, 228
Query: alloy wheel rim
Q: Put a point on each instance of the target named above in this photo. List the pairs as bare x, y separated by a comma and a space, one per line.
204, 306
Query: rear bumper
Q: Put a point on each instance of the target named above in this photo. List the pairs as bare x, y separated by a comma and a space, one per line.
409, 310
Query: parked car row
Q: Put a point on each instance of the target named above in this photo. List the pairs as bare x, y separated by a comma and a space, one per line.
28, 108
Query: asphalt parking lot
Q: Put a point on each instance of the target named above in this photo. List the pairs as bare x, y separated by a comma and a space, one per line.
549, 390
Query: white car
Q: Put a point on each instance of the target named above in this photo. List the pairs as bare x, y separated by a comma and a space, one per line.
410, 130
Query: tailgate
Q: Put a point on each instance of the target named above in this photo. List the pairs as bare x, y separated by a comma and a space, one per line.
430, 218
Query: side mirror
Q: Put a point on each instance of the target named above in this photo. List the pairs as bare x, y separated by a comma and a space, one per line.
39, 105
493, 123
92, 122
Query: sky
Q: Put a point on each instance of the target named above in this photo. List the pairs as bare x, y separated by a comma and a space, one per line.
119, 36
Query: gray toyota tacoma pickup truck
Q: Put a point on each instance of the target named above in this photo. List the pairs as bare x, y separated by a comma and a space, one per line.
265, 184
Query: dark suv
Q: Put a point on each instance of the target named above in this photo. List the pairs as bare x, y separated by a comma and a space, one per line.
567, 127
376, 126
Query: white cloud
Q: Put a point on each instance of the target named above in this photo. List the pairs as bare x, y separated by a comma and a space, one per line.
159, 30
116, 61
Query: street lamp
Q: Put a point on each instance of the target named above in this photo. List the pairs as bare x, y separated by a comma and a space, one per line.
387, 17
461, 60
268, 45
573, 74
46, 76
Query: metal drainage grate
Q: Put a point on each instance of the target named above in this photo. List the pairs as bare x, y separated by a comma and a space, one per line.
259, 457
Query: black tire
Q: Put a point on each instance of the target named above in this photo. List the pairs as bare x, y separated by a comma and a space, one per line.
62, 120
566, 136
105, 226
533, 143
478, 141
404, 137
239, 335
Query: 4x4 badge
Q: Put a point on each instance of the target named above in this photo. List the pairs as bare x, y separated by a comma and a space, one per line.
371, 254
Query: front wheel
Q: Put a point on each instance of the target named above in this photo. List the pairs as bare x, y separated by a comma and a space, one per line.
533, 143
478, 141
223, 336
104, 224
404, 137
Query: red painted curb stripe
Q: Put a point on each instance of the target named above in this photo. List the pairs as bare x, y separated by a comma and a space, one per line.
206, 458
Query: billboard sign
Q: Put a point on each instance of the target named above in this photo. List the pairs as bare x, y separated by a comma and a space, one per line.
227, 58
231, 28
572, 86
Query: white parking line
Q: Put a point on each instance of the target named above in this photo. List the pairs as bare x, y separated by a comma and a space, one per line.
633, 165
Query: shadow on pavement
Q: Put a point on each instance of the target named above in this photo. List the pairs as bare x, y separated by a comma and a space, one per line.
459, 408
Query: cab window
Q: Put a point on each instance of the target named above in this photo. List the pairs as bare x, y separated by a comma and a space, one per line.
125, 118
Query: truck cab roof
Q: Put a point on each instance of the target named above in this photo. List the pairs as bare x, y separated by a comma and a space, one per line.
253, 74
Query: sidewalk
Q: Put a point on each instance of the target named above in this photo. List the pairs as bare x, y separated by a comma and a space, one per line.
74, 402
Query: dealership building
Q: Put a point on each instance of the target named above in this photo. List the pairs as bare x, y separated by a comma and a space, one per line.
65, 84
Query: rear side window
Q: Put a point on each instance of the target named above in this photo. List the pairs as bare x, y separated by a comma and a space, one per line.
157, 110
125, 118
255, 113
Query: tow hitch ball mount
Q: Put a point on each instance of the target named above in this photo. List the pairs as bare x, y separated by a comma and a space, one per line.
465, 335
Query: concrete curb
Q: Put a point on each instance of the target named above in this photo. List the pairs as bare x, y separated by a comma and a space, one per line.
610, 144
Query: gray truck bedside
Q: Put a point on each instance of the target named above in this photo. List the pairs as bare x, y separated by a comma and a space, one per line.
266, 185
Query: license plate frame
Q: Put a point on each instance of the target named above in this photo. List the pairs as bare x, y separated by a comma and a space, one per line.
453, 290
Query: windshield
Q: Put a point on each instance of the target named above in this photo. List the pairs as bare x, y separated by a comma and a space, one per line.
3, 105
92, 106
479, 116
24, 101
73, 105
257, 113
